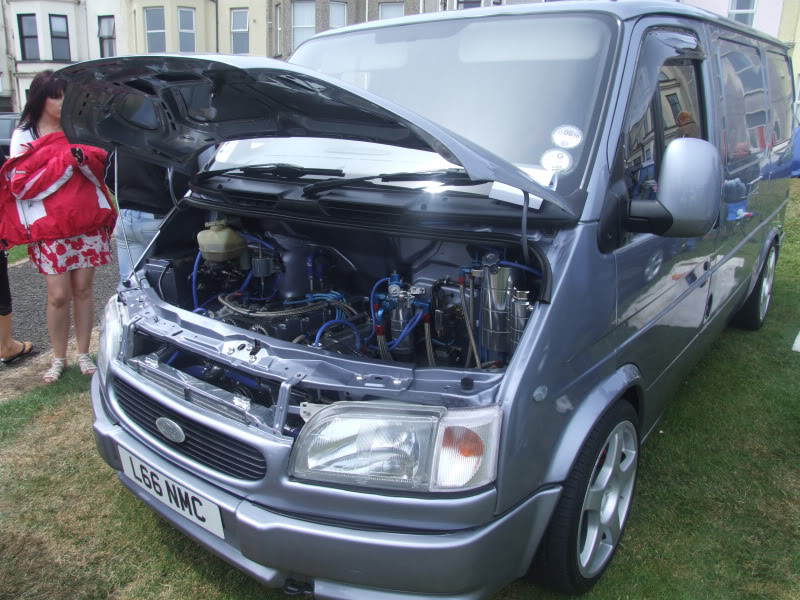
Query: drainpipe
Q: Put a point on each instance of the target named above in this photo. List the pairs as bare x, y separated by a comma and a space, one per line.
366, 11
216, 24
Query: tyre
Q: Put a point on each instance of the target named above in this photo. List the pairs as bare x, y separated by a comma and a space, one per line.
754, 311
590, 517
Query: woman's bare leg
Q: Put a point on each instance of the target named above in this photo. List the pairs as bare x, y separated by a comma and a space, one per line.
83, 306
8, 345
59, 294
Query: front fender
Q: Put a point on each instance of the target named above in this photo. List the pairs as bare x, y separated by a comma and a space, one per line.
612, 388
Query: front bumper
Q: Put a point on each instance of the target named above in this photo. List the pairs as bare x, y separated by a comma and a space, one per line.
339, 561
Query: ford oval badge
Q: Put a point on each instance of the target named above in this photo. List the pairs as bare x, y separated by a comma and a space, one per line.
170, 430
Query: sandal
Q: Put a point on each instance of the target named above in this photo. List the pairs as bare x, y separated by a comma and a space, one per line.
86, 364
53, 374
27, 348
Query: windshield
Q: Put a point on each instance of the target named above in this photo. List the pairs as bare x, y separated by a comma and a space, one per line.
525, 87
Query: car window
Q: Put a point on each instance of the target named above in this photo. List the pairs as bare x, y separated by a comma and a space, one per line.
744, 95
780, 92
674, 111
7, 127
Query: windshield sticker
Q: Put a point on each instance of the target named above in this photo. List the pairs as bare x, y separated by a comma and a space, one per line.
567, 136
556, 160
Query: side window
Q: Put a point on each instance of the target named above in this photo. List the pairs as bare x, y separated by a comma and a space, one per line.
780, 92
673, 111
745, 132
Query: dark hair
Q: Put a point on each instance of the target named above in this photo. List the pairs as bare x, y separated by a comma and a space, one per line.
45, 85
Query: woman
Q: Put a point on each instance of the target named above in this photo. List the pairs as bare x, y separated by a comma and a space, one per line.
60, 207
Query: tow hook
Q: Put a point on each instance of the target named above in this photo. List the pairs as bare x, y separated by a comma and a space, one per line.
292, 587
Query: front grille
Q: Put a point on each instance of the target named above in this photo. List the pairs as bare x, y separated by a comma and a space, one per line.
203, 444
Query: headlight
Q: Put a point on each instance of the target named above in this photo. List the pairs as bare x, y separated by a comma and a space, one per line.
398, 446
110, 334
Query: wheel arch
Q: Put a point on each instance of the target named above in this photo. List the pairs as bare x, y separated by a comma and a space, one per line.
624, 384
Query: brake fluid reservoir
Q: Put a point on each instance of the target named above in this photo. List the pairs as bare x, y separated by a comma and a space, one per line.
219, 242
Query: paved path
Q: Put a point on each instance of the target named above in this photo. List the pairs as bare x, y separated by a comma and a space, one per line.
29, 300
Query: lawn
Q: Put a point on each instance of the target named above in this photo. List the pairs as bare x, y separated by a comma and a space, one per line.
717, 512
17, 253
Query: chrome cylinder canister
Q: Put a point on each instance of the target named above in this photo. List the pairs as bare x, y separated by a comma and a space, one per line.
520, 311
497, 286
401, 316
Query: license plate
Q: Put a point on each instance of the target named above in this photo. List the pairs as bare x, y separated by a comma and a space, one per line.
196, 508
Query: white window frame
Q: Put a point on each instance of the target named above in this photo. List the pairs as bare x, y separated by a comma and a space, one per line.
245, 30
295, 27
278, 29
193, 30
732, 12
149, 31
383, 4
112, 37
342, 5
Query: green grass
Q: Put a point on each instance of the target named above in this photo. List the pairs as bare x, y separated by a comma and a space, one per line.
17, 253
717, 512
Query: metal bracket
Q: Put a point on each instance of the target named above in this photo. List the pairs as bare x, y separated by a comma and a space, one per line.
282, 405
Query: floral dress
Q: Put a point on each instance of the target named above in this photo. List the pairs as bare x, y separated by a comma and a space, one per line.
91, 249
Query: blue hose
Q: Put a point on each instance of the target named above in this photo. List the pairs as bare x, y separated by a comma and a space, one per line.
506, 263
256, 240
406, 330
372, 305
322, 329
195, 297
247, 281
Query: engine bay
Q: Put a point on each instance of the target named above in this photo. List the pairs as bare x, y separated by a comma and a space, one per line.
425, 302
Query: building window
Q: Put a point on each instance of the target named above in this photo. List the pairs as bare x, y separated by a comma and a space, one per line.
304, 23
338, 17
743, 11
278, 30
28, 37
155, 31
390, 10
186, 30
461, 4
107, 35
240, 31
59, 37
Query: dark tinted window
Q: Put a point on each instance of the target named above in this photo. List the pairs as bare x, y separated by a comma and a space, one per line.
780, 92
744, 95
59, 37
28, 37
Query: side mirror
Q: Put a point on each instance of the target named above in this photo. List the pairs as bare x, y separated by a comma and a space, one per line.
689, 193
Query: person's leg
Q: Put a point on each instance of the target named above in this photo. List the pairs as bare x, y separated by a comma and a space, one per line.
83, 306
8, 346
59, 294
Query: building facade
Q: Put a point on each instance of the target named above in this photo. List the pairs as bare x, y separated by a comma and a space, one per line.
47, 34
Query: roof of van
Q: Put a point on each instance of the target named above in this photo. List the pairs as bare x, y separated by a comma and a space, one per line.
623, 9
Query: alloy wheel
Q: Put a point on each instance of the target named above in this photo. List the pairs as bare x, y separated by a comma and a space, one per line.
608, 499
766, 284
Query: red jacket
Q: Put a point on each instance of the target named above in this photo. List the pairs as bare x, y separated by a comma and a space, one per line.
45, 194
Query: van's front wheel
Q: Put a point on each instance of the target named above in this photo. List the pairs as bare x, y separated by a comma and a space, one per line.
590, 518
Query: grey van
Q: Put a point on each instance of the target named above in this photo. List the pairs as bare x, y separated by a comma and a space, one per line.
406, 332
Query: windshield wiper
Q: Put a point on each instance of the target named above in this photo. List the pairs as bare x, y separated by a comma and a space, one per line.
443, 176
277, 169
